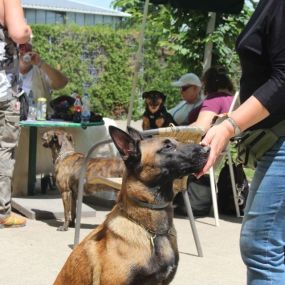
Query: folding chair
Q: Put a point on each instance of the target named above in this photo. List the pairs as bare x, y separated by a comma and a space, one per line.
213, 183
188, 134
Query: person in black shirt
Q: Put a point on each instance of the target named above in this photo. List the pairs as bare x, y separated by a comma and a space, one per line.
261, 48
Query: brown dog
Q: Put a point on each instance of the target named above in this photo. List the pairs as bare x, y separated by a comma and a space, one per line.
136, 245
155, 114
67, 164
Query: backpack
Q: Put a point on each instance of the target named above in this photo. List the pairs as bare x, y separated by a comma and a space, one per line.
226, 203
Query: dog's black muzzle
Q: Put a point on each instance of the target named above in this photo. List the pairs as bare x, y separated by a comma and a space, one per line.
187, 159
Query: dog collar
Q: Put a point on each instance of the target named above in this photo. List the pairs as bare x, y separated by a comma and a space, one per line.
153, 234
148, 205
63, 155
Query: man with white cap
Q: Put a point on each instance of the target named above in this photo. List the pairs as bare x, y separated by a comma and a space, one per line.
190, 86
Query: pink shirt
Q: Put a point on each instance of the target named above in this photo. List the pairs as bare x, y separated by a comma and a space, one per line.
218, 102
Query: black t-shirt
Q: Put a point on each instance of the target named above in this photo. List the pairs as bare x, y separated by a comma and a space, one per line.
261, 48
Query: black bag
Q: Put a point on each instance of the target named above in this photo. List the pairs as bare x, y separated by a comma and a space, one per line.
24, 106
63, 107
252, 145
226, 203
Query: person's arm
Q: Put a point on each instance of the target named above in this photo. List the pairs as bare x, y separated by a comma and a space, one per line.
57, 79
248, 114
210, 108
15, 22
266, 99
204, 120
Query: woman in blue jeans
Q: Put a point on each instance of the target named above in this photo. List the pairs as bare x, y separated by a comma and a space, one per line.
263, 234
261, 48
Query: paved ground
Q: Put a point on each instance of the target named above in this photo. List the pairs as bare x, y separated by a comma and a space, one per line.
34, 254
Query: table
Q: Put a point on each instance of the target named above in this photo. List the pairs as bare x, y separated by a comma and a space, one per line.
34, 125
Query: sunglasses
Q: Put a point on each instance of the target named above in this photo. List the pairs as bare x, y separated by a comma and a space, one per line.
184, 88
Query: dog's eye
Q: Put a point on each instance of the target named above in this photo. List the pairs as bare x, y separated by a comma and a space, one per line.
168, 145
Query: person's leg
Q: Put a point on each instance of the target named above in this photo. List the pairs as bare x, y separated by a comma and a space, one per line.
9, 134
263, 231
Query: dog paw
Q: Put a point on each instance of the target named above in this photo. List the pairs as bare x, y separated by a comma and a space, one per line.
62, 228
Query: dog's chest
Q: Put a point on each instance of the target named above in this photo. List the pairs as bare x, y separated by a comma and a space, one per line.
161, 266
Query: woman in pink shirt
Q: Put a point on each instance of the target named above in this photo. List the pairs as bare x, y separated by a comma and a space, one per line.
219, 91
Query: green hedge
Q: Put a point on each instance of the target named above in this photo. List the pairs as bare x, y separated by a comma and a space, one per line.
103, 59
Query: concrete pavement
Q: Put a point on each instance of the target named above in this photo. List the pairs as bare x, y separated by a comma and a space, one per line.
35, 254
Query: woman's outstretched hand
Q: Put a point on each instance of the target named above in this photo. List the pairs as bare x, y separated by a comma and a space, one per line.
217, 138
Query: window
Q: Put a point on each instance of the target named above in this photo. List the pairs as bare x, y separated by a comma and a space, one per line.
30, 16
89, 20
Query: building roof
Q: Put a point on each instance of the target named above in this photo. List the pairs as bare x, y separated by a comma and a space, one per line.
71, 6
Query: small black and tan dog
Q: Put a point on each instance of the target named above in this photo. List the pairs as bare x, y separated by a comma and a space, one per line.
155, 115
67, 165
136, 244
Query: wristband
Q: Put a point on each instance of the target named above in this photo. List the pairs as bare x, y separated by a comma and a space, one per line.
237, 130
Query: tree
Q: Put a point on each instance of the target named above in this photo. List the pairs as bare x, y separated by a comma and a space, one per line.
182, 34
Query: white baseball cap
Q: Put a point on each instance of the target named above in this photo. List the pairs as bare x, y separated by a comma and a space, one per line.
187, 79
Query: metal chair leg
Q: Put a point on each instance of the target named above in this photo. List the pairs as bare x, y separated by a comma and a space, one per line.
192, 223
233, 182
214, 195
82, 179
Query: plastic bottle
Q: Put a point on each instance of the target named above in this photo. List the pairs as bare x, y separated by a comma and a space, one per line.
41, 109
32, 107
85, 115
77, 110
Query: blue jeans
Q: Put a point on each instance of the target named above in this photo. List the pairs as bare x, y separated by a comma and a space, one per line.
262, 238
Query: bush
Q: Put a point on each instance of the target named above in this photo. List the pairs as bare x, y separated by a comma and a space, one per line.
101, 60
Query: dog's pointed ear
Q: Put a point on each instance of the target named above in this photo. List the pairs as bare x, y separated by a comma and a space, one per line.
126, 145
58, 137
70, 138
145, 94
135, 134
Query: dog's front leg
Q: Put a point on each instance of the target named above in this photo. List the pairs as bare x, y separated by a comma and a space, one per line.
66, 199
73, 209
145, 123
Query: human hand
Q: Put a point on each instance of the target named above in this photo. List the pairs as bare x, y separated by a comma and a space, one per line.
217, 138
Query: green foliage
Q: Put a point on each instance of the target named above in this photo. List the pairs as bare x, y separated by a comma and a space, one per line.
103, 59
183, 33
97, 57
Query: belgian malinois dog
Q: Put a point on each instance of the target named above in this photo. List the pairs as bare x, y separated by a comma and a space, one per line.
136, 244
67, 165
